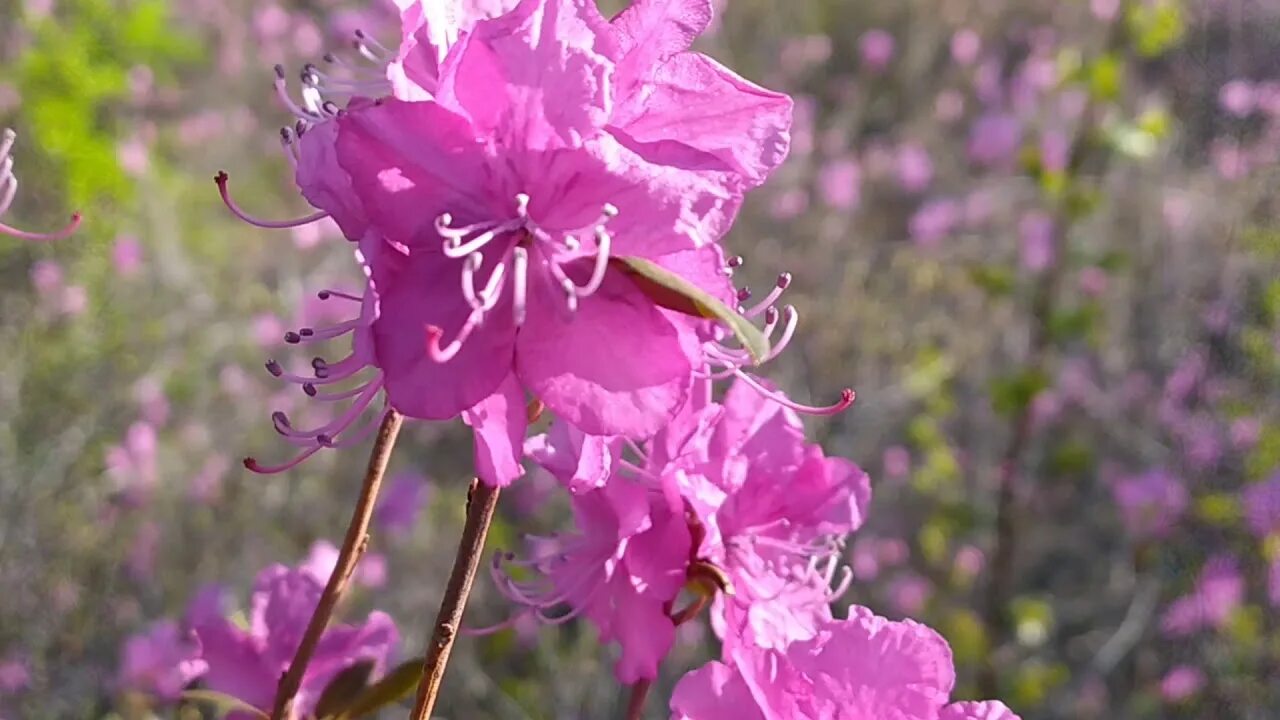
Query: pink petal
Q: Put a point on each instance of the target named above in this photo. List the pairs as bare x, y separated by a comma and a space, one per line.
617, 366
531, 78
324, 183
499, 422
698, 102
427, 294
651, 31
645, 634
581, 462
988, 710
714, 691
409, 163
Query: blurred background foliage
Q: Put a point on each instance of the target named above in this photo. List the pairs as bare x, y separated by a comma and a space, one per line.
1038, 238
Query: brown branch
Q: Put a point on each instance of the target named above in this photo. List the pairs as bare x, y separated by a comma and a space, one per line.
482, 500
353, 546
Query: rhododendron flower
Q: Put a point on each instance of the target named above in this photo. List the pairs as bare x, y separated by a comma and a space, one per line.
863, 668
771, 510
1181, 683
729, 489
161, 661
621, 569
1218, 592
9, 190
523, 149
246, 663
1150, 503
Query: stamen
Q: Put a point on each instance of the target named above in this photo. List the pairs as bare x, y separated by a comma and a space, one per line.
221, 179
602, 264
253, 466
846, 398
326, 294
62, 234
784, 281
434, 333
282, 91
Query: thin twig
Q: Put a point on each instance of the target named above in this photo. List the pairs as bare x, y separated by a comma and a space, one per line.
353, 546
482, 500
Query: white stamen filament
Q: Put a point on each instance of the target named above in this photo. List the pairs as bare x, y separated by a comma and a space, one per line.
519, 282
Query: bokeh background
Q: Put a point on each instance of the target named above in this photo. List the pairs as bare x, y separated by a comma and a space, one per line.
1038, 237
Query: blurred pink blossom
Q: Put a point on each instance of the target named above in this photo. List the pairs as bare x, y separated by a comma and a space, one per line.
47, 277
1181, 683
1104, 9
1218, 591
896, 461
876, 48
909, 593
1150, 503
1036, 241
1261, 502
126, 255
402, 502
914, 167
933, 222
994, 139
160, 661
840, 184
15, 675
965, 46
1092, 281
1238, 98
948, 106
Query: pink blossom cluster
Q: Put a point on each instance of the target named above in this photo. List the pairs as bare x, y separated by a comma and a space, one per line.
243, 655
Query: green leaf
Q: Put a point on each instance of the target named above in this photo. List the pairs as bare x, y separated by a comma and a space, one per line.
1012, 395
392, 688
225, 704
996, 280
673, 292
344, 688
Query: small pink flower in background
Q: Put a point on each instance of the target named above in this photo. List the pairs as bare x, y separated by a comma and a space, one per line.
1230, 160
132, 464
47, 277
1218, 592
1181, 683
134, 156
1092, 281
799, 54
969, 561
1036, 241
876, 48
1238, 98
865, 561
153, 403
840, 184
160, 661
402, 502
1055, 151
965, 46
789, 204
1261, 502
1245, 433
246, 663
74, 301
126, 255
268, 330
206, 485
896, 462
1104, 9
994, 140
863, 668
322, 559
933, 222
1151, 503
15, 675
948, 106
914, 167
909, 594
141, 561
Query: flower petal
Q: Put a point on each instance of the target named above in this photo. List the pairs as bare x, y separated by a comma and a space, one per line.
694, 100
617, 366
714, 691
988, 710
499, 423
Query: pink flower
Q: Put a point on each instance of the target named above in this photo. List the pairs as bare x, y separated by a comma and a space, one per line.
1238, 98
1151, 503
247, 663
47, 277
875, 47
1218, 592
1181, 683
15, 675
915, 168
1036, 241
126, 255
161, 661
1261, 503
863, 668
933, 221
132, 464
322, 558
569, 142
840, 184
965, 46
9, 188
994, 139
772, 511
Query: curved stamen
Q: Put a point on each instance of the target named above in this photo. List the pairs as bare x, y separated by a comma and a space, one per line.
221, 179
252, 464
434, 334
282, 92
846, 398
65, 232
354, 438
326, 294
603, 241
784, 281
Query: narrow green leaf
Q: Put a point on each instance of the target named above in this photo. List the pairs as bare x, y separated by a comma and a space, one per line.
343, 689
225, 704
673, 292
392, 688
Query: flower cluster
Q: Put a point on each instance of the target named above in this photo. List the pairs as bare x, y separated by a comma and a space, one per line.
536, 196
243, 655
